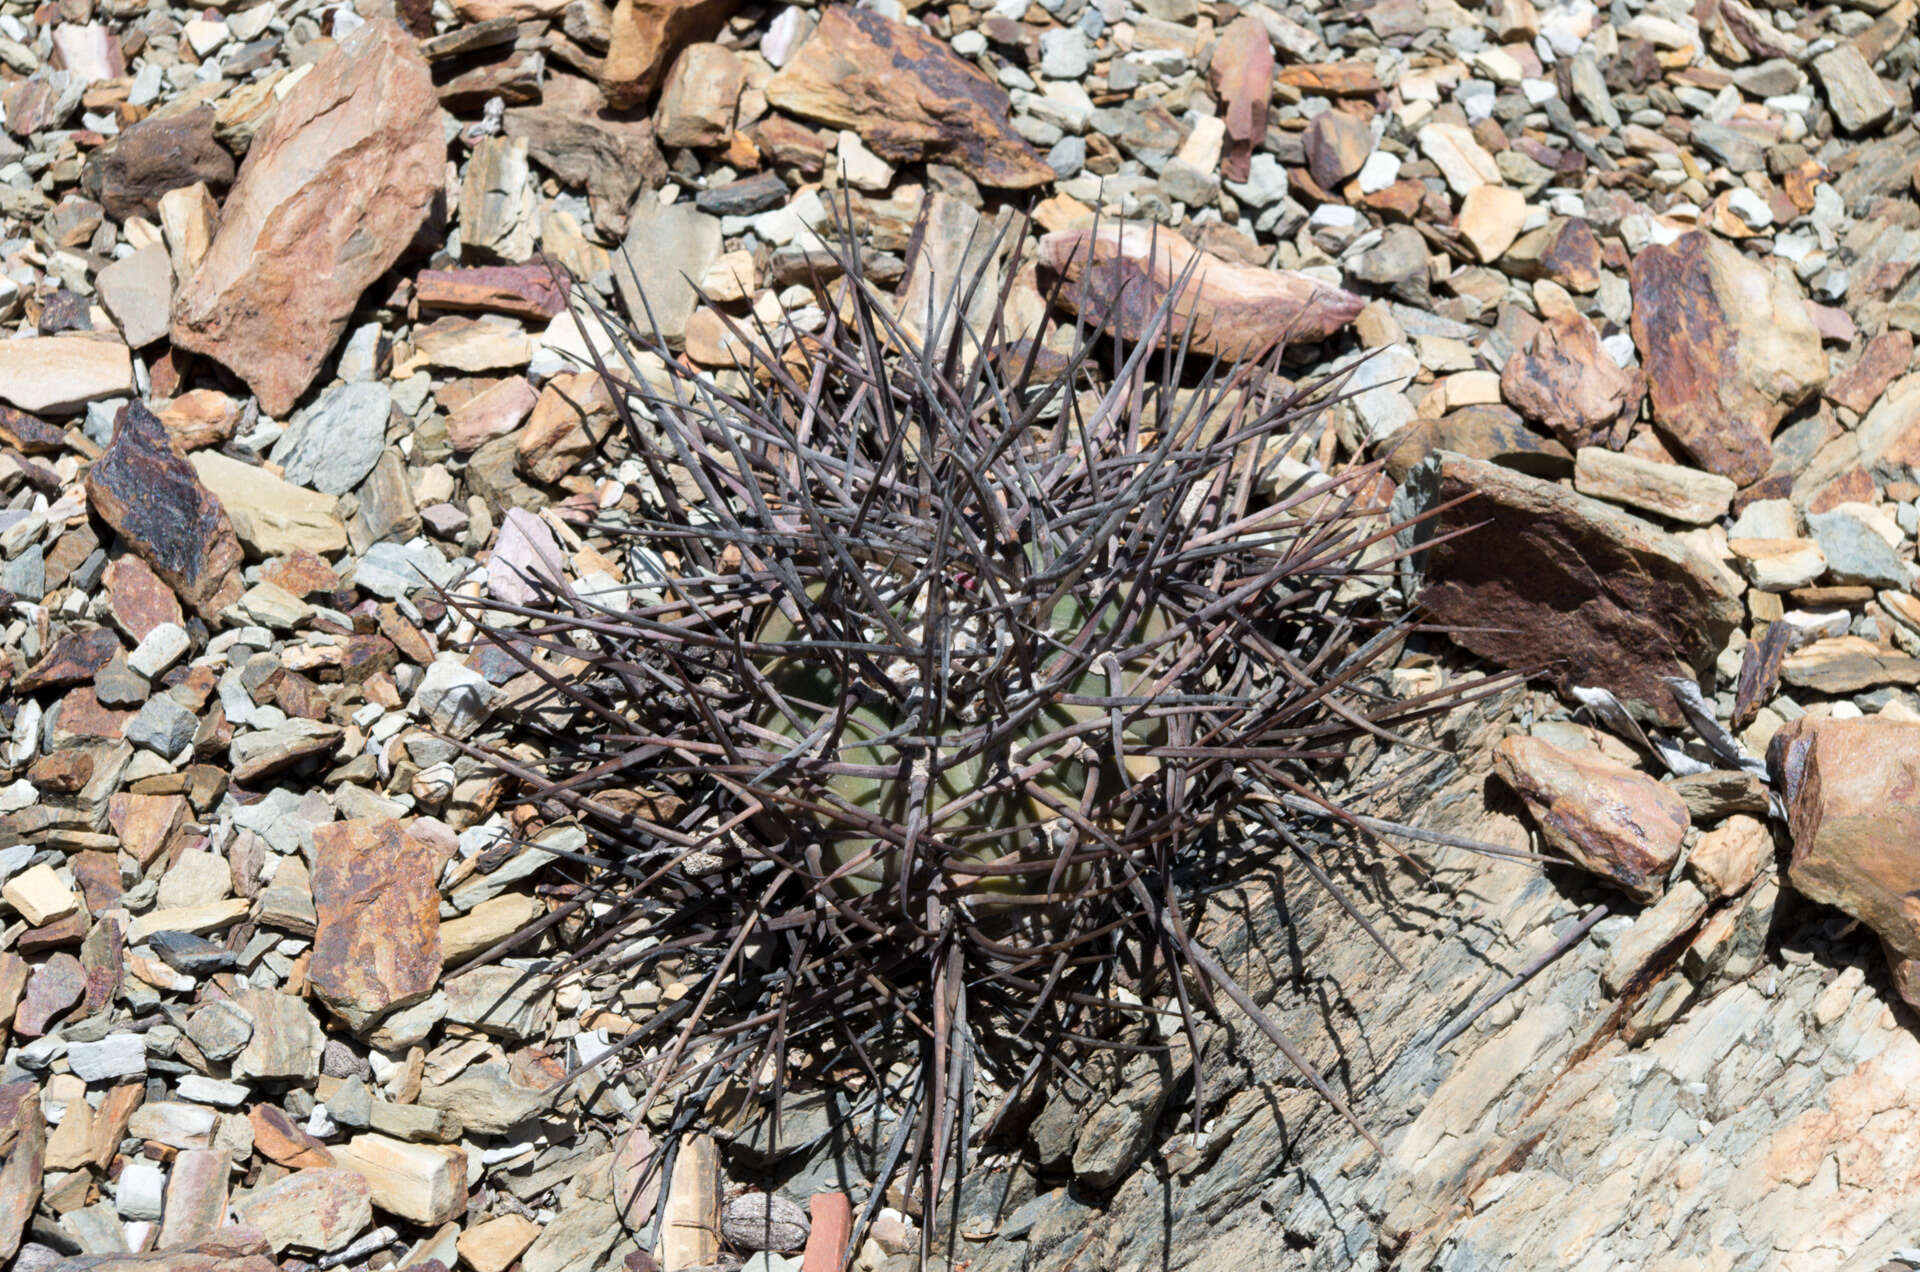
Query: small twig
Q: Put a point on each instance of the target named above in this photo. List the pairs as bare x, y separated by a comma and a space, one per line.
1521, 977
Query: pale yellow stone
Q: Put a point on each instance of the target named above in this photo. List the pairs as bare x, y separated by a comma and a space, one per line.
424, 1183
494, 1245
730, 278
39, 895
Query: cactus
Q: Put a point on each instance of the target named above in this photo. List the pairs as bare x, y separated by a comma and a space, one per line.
954, 660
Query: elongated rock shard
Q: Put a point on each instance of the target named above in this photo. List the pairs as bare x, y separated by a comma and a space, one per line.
333, 190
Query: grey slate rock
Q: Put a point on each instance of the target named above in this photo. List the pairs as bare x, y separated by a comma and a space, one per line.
335, 443
1856, 553
163, 726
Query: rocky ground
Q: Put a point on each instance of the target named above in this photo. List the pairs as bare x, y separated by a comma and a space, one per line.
287, 353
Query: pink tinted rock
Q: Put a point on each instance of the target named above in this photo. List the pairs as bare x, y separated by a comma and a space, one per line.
1234, 312
525, 548
492, 413
334, 188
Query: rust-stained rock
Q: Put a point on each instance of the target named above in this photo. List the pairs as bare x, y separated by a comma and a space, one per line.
574, 411
1242, 77
533, 290
1337, 144
1853, 806
73, 660
138, 600
279, 1138
1612, 821
1729, 348
150, 496
378, 942
645, 37
1884, 359
909, 96
698, 100
1122, 273
1567, 382
333, 190
1492, 433
23, 1141
1582, 592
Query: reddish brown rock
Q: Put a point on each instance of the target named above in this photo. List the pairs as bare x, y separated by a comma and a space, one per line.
1885, 358
73, 660
1564, 380
493, 412
301, 573
160, 153
149, 495
909, 96
378, 942
23, 1140
55, 986
1233, 312
1337, 144
1853, 806
98, 874
1729, 348
788, 143
279, 1138
82, 716
61, 773
1585, 594
1242, 77
334, 188
646, 35
636, 1177
320, 1209
1333, 79
146, 824
103, 957
831, 1229
1612, 821
200, 418
533, 290
1572, 256
196, 1197
29, 434
138, 601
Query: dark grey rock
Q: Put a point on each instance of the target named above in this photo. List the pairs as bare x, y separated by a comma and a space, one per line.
190, 955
